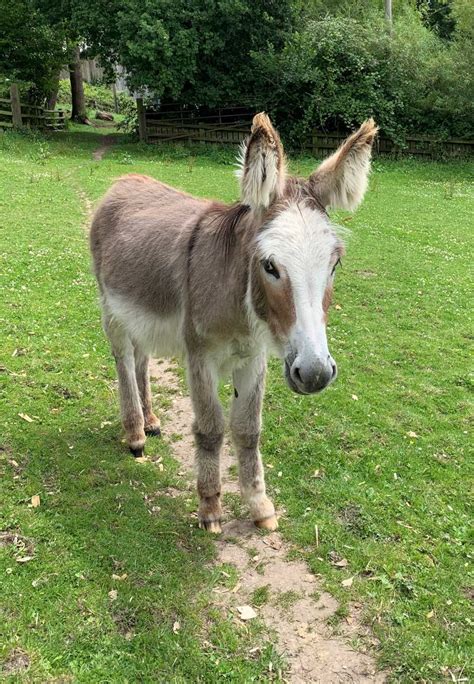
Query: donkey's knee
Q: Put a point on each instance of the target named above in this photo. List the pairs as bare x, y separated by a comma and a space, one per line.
245, 440
210, 442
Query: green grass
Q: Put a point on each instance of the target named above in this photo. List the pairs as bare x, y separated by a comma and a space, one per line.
394, 505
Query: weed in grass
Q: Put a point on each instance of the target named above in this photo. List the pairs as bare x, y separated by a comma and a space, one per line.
260, 596
286, 599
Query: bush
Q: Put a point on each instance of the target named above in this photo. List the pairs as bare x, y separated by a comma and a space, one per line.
337, 71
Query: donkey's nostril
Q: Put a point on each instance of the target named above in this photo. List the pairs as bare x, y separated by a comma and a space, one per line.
297, 374
334, 370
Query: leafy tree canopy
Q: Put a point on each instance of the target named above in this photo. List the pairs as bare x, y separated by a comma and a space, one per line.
196, 51
31, 50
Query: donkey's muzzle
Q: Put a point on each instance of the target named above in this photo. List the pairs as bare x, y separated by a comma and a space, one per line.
308, 378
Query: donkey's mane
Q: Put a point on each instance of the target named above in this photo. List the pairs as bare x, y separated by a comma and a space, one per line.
224, 221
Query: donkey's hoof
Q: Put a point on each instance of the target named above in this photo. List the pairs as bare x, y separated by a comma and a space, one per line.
138, 452
153, 431
213, 526
270, 523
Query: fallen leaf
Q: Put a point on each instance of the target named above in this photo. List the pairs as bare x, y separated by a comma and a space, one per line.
176, 627
246, 612
24, 559
141, 459
13, 463
236, 588
338, 307
347, 582
113, 594
412, 434
273, 541
343, 563
26, 417
35, 500
119, 578
355, 397
430, 614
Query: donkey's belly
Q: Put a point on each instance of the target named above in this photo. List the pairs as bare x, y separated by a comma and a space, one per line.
157, 335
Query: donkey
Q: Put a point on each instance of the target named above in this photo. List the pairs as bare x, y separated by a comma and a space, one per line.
222, 286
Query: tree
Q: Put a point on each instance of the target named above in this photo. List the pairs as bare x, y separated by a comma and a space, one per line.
199, 52
79, 111
31, 50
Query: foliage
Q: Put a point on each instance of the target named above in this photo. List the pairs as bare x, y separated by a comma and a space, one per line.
389, 440
31, 51
339, 70
97, 97
199, 52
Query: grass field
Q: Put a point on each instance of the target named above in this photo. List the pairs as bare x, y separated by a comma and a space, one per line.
379, 462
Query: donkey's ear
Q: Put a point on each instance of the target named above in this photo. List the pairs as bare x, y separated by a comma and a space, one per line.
341, 180
262, 165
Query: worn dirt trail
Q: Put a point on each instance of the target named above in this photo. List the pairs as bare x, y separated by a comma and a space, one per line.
107, 142
299, 619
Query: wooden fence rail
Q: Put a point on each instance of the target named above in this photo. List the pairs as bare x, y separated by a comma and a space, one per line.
17, 114
232, 125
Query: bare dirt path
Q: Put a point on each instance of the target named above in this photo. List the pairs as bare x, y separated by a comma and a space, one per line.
107, 142
297, 608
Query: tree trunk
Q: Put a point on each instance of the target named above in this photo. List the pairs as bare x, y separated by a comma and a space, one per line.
79, 112
52, 98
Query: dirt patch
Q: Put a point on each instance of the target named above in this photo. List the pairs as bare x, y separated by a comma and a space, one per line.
15, 663
100, 152
291, 602
22, 545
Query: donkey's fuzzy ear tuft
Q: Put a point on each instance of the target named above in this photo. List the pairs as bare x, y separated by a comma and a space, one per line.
341, 180
262, 169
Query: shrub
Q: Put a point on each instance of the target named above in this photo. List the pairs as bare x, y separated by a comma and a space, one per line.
338, 70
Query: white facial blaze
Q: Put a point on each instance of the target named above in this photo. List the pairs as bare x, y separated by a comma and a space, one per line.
302, 241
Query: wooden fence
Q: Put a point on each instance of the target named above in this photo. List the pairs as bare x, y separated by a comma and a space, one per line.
16, 114
231, 125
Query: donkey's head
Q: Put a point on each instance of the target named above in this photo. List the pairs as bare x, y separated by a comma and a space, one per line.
296, 248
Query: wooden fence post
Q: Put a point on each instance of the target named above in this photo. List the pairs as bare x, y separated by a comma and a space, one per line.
141, 119
16, 106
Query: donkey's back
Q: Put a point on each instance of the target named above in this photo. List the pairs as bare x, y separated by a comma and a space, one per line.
138, 238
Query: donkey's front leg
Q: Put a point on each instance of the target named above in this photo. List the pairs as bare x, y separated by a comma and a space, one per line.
208, 431
245, 423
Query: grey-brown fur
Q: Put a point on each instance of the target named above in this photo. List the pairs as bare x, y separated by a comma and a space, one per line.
179, 274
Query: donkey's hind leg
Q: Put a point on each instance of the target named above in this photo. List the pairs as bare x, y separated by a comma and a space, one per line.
130, 404
208, 431
142, 372
245, 423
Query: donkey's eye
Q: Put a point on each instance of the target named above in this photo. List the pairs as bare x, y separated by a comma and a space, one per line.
270, 268
338, 262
